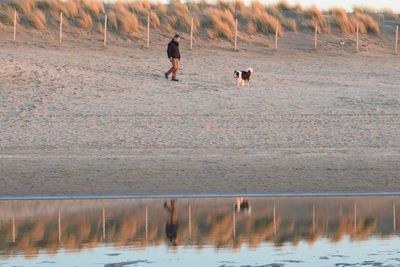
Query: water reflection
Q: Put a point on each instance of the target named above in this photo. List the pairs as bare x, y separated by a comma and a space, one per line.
30, 227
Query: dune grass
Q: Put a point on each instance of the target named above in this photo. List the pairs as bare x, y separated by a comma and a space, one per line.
316, 15
37, 19
216, 20
180, 18
85, 21
24, 6
284, 6
221, 23
364, 9
348, 23
290, 24
7, 15
124, 20
251, 28
72, 8
368, 22
265, 22
93, 7
390, 13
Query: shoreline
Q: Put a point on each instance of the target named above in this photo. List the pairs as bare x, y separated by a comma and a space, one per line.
201, 196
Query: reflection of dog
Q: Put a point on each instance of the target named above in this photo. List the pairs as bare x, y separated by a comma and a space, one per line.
243, 77
243, 205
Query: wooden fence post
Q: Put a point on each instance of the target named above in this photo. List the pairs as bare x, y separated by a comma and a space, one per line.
148, 32
61, 23
236, 29
397, 39
316, 36
191, 34
15, 25
276, 34
105, 30
357, 38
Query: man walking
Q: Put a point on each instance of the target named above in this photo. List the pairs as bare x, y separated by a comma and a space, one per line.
174, 56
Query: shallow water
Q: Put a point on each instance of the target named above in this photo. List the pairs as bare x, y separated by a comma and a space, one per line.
254, 231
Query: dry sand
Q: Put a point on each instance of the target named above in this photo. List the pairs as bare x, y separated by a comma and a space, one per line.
80, 119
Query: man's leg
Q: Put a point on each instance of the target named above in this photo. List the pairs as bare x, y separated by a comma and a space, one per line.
170, 70
175, 63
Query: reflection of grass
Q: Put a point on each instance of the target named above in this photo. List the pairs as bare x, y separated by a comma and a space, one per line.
127, 226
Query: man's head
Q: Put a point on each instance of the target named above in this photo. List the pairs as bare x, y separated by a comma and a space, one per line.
177, 38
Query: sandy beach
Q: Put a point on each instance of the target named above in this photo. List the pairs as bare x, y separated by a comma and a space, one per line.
83, 120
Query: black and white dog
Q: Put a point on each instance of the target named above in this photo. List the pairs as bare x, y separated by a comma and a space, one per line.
243, 77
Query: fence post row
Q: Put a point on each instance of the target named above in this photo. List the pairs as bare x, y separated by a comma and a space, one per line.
191, 33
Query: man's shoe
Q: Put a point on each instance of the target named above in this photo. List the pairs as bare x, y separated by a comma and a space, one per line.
166, 76
175, 80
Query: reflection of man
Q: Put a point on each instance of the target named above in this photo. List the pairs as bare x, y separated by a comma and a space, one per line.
171, 228
242, 205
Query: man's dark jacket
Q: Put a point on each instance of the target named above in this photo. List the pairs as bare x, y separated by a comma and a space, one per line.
173, 50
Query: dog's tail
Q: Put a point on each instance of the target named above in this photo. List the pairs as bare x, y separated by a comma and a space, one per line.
250, 70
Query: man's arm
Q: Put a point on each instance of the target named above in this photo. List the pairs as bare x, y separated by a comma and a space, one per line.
169, 51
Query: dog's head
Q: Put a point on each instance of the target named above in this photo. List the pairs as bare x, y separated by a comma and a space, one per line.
250, 70
237, 74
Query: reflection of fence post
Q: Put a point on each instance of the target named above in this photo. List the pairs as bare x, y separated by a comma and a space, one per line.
59, 226
190, 222
105, 30
61, 23
357, 38
355, 217
316, 36
147, 222
15, 25
234, 221
397, 39
13, 229
148, 32
191, 34
236, 31
274, 218
394, 216
313, 217
104, 224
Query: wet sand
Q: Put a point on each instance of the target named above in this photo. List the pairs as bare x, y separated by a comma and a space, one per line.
86, 120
